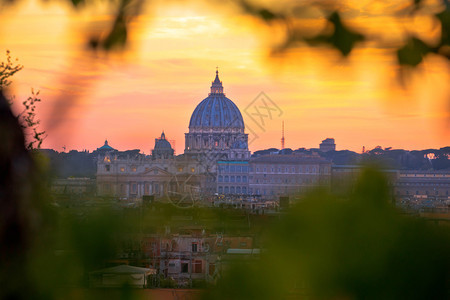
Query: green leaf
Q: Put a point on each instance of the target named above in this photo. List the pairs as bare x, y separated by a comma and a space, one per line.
267, 15
77, 3
412, 53
342, 38
263, 13
117, 37
444, 18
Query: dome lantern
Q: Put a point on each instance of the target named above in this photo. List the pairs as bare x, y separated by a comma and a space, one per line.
216, 87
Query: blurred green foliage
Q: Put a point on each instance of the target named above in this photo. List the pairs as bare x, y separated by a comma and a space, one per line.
342, 38
412, 53
353, 246
338, 34
356, 247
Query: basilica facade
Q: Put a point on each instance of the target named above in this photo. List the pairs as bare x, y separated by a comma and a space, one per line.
216, 133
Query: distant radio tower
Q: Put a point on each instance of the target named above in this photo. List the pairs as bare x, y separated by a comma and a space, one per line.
282, 136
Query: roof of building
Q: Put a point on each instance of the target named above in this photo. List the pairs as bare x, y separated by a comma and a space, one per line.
106, 146
125, 269
328, 140
240, 162
243, 251
288, 159
216, 110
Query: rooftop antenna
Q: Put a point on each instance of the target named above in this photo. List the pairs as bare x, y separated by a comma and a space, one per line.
282, 136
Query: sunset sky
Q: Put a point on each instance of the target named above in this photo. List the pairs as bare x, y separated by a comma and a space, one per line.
167, 69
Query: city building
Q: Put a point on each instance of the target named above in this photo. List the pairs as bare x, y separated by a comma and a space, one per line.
232, 177
327, 145
272, 176
422, 184
191, 254
131, 176
73, 186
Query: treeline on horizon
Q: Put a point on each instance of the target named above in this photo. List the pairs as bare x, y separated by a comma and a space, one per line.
428, 159
83, 163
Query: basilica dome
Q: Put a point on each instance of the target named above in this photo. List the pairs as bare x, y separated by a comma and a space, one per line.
162, 149
162, 143
216, 111
216, 129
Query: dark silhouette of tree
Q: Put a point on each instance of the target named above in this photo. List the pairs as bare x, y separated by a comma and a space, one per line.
27, 118
22, 189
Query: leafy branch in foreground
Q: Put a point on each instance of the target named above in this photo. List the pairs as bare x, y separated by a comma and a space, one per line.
27, 118
29, 122
7, 69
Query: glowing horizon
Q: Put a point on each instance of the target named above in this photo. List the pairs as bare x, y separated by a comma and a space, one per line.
156, 83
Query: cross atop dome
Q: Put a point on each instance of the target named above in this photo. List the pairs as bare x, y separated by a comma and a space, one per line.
216, 87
